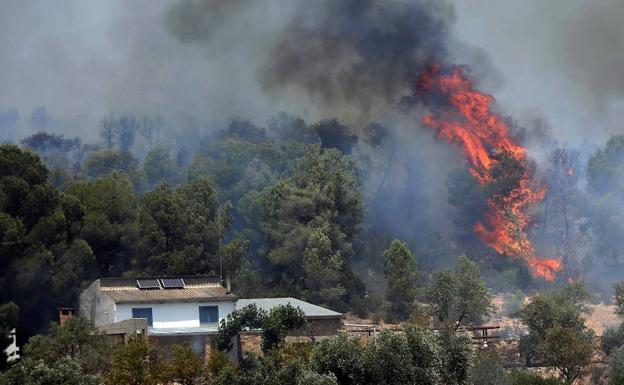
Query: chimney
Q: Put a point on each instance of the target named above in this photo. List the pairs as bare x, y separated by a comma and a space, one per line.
228, 283
65, 313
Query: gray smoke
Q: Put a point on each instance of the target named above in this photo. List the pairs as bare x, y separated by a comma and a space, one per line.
563, 59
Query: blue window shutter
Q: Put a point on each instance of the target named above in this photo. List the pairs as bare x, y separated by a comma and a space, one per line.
208, 314
143, 312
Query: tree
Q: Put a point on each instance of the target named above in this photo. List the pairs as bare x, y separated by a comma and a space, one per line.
457, 357
605, 172
612, 339
619, 298
342, 356
185, 366
56, 151
333, 134
319, 209
179, 230
616, 367
77, 340
401, 278
549, 313
42, 256
563, 176
250, 317
109, 224
488, 370
136, 363
106, 162
36, 372
274, 324
280, 320
388, 361
159, 167
568, 350
460, 296
605, 167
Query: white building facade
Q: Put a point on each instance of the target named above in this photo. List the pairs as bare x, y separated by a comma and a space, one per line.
169, 305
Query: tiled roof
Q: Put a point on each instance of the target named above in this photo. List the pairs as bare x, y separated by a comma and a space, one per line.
125, 290
310, 310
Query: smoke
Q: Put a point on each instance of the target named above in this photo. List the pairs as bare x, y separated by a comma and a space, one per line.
555, 64
591, 50
358, 56
562, 59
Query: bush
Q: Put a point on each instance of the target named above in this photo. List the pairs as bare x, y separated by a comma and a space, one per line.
488, 370
612, 339
523, 377
64, 371
616, 367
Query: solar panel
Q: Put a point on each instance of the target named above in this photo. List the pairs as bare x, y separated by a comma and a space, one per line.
144, 284
172, 283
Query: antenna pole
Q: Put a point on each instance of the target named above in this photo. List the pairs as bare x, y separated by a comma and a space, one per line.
219, 251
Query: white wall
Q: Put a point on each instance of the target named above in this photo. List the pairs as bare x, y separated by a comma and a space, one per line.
174, 314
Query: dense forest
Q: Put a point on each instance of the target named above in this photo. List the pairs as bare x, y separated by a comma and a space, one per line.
350, 154
285, 208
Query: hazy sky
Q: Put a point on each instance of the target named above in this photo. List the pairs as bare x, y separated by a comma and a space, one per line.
561, 59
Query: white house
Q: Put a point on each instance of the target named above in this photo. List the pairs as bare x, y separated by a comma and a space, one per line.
170, 305
173, 311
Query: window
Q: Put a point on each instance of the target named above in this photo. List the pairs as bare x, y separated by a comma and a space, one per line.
208, 315
143, 312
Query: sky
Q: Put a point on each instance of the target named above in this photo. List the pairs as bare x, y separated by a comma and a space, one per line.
558, 61
562, 59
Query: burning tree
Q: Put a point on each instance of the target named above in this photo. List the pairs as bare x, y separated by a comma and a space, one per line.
495, 160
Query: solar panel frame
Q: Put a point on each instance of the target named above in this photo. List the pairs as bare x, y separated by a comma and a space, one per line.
148, 283
172, 283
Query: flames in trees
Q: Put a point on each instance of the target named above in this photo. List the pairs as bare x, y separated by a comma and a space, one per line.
495, 160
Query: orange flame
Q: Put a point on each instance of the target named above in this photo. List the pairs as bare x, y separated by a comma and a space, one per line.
480, 134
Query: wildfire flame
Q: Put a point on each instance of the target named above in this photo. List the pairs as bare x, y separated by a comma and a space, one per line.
481, 134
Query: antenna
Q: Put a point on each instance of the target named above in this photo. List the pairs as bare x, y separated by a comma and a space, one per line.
220, 213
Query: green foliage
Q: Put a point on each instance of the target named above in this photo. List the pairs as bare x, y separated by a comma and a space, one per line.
136, 363
43, 259
109, 224
488, 370
414, 357
605, 168
250, 317
612, 338
616, 367
342, 356
77, 340
401, 278
568, 350
105, 162
279, 321
179, 230
311, 218
524, 377
274, 324
557, 331
460, 296
185, 366
457, 358
64, 371
619, 298
159, 167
